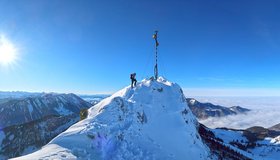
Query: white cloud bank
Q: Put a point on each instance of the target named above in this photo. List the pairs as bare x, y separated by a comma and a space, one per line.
265, 112
264, 118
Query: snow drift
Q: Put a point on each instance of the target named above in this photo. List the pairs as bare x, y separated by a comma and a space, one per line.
150, 121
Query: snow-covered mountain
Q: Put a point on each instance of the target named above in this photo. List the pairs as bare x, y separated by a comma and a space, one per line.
22, 110
26, 124
206, 110
256, 133
219, 149
154, 121
275, 127
151, 121
260, 146
17, 94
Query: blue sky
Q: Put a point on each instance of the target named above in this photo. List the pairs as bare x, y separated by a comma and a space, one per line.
92, 46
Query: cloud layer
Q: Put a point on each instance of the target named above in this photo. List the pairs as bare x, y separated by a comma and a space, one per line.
264, 118
265, 112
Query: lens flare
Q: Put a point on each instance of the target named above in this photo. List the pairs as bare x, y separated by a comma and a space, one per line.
8, 52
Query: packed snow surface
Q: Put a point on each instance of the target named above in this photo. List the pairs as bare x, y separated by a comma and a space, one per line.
150, 121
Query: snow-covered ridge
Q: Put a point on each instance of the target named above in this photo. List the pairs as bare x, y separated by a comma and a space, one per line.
151, 121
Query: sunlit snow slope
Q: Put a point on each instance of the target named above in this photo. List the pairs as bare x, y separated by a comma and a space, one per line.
151, 121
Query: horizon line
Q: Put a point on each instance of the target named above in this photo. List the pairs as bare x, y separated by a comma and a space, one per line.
188, 92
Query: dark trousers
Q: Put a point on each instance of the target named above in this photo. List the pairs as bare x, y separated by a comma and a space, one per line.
133, 83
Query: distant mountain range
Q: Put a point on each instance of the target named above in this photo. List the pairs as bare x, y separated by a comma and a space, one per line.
206, 110
275, 127
30, 122
22, 110
150, 121
132, 124
18, 94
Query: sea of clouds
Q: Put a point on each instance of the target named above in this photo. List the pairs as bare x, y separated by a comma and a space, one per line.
265, 112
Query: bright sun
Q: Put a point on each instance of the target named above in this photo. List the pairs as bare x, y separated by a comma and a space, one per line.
8, 52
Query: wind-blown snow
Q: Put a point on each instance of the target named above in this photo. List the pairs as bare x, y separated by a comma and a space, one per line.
151, 121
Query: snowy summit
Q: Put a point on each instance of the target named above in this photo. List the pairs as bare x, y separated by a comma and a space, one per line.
150, 121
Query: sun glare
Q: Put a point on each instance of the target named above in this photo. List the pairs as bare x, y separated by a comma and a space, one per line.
8, 52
